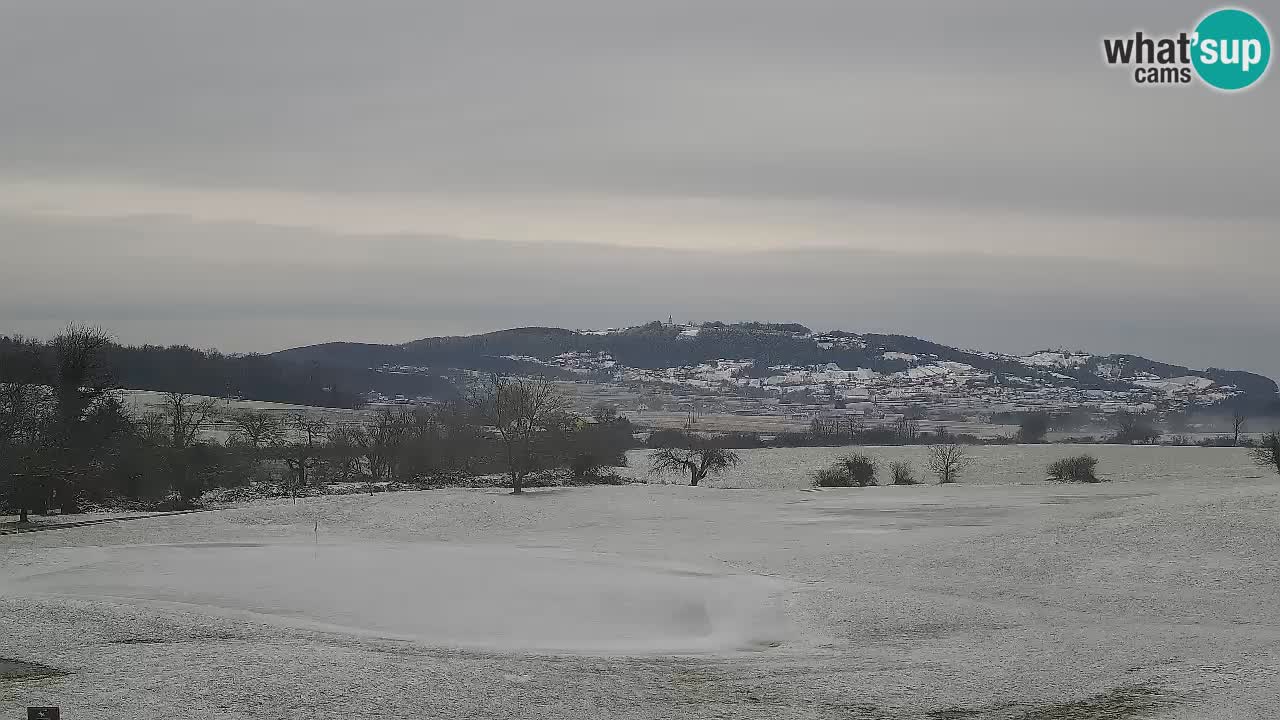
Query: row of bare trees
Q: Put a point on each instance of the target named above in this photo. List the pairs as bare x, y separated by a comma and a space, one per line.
67, 437
406, 444
514, 425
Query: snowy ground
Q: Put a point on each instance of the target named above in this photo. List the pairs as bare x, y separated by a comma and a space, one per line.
1147, 597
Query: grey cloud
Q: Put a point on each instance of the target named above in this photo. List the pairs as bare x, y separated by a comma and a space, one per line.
987, 104
988, 109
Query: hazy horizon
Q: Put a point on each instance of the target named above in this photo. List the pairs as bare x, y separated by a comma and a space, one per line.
255, 176
394, 289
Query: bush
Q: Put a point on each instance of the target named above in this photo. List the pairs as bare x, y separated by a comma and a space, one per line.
738, 440
903, 474
1266, 452
1131, 429
666, 438
601, 478
1034, 427
856, 470
585, 466
833, 476
791, 438
556, 478
1078, 468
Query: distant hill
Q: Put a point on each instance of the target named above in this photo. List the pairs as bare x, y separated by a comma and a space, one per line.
770, 345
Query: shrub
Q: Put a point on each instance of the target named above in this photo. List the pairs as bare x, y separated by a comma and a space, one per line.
666, 438
903, 474
738, 440
1266, 452
1078, 468
856, 470
1132, 428
603, 476
833, 476
584, 466
791, 438
1034, 427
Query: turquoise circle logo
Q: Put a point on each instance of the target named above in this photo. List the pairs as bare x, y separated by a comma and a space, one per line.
1232, 49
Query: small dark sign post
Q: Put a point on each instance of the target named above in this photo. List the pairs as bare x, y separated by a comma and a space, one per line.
43, 713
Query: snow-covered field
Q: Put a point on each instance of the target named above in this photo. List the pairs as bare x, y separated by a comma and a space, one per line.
1157, 595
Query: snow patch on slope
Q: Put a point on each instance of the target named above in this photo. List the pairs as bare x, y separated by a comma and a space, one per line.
1056, 359
454, 595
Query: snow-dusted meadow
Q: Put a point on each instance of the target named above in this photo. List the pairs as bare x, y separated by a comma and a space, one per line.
1156, 595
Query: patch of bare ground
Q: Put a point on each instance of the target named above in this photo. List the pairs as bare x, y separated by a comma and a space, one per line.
1126, 702
11, 669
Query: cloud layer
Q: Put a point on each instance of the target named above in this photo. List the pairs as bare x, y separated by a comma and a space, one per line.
969, 171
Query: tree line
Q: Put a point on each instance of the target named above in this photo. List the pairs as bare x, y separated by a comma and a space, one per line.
826, 432
68, 438
1125, 428
179, 368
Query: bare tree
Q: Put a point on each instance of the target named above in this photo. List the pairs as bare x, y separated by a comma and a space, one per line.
1266, 452
698, 461
381, 440
463, 444
1238, 420
255, 433
303, 452
693, 454
258, 430
153, 426
187, 415
947, 462
341, 452
835, 428
907, 428
518, 408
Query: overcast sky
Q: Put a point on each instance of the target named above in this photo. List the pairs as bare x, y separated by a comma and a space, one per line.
259, 174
